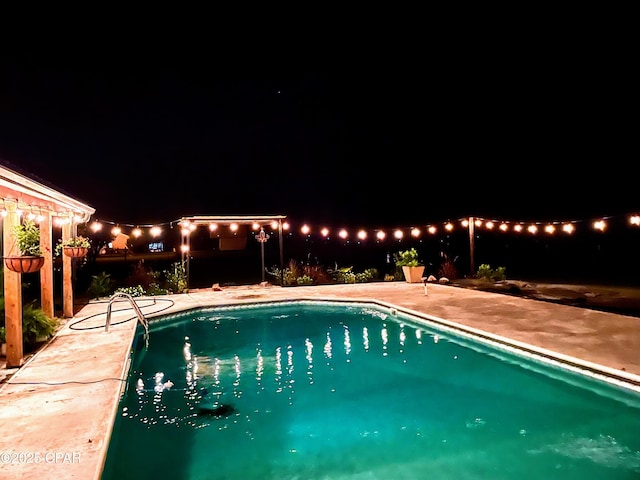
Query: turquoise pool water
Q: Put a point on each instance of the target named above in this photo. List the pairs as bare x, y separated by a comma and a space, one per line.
316, 390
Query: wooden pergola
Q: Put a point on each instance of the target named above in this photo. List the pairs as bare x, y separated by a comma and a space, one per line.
23, 196
276, 221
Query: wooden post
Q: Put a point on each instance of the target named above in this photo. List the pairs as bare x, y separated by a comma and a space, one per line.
46, 272
472, 266
12, 289
67, 274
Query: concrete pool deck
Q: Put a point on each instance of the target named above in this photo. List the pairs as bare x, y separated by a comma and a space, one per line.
57, 410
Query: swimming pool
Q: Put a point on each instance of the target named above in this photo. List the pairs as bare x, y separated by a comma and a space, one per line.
325, 390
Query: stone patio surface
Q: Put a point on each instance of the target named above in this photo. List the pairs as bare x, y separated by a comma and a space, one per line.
57, 410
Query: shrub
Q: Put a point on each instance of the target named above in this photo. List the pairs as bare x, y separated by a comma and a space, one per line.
448, 268
485, 272
304, 280
136, 291
176, 278
36, 324
101, 285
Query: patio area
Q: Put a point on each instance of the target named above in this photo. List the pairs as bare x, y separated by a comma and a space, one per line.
58, 409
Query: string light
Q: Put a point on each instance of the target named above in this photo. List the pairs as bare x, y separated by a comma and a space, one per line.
600, 225
60, 218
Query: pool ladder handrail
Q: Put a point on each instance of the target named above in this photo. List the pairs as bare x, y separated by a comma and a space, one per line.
141, 318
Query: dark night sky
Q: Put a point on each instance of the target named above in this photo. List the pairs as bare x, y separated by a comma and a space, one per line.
516, 133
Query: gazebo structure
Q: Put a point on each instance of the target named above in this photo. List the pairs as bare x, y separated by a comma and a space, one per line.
22, 197
232, 223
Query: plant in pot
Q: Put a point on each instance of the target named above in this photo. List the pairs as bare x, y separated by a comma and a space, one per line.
412, 267
74, 247
27, 236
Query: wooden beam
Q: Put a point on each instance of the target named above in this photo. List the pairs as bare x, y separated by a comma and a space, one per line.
12, 289
46, 272
67, 275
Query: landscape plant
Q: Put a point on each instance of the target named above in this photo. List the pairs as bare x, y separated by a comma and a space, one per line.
74, 242
407, 258
136, 291
448, 267
101, 285
36, 325
176, 278
485, 272
28, 238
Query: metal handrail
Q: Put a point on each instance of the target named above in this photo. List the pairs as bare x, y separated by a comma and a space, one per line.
141, 318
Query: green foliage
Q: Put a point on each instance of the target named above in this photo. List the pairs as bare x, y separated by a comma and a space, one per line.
284, 277
304, 280
3, 335
485, 272
176, 278
369, 275
407, 258
36, 324
28, 238
136, 291
296, 274
101, 285
156, 289
79, 241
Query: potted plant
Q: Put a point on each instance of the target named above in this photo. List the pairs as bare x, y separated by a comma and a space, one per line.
412, 267
74, 247
27, 236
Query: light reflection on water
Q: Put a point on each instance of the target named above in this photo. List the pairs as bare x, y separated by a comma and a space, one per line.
389, 405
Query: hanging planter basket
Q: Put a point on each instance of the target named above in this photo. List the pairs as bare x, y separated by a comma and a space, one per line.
24, 264
75, 252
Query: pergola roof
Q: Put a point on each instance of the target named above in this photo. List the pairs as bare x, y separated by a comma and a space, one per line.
31, 194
